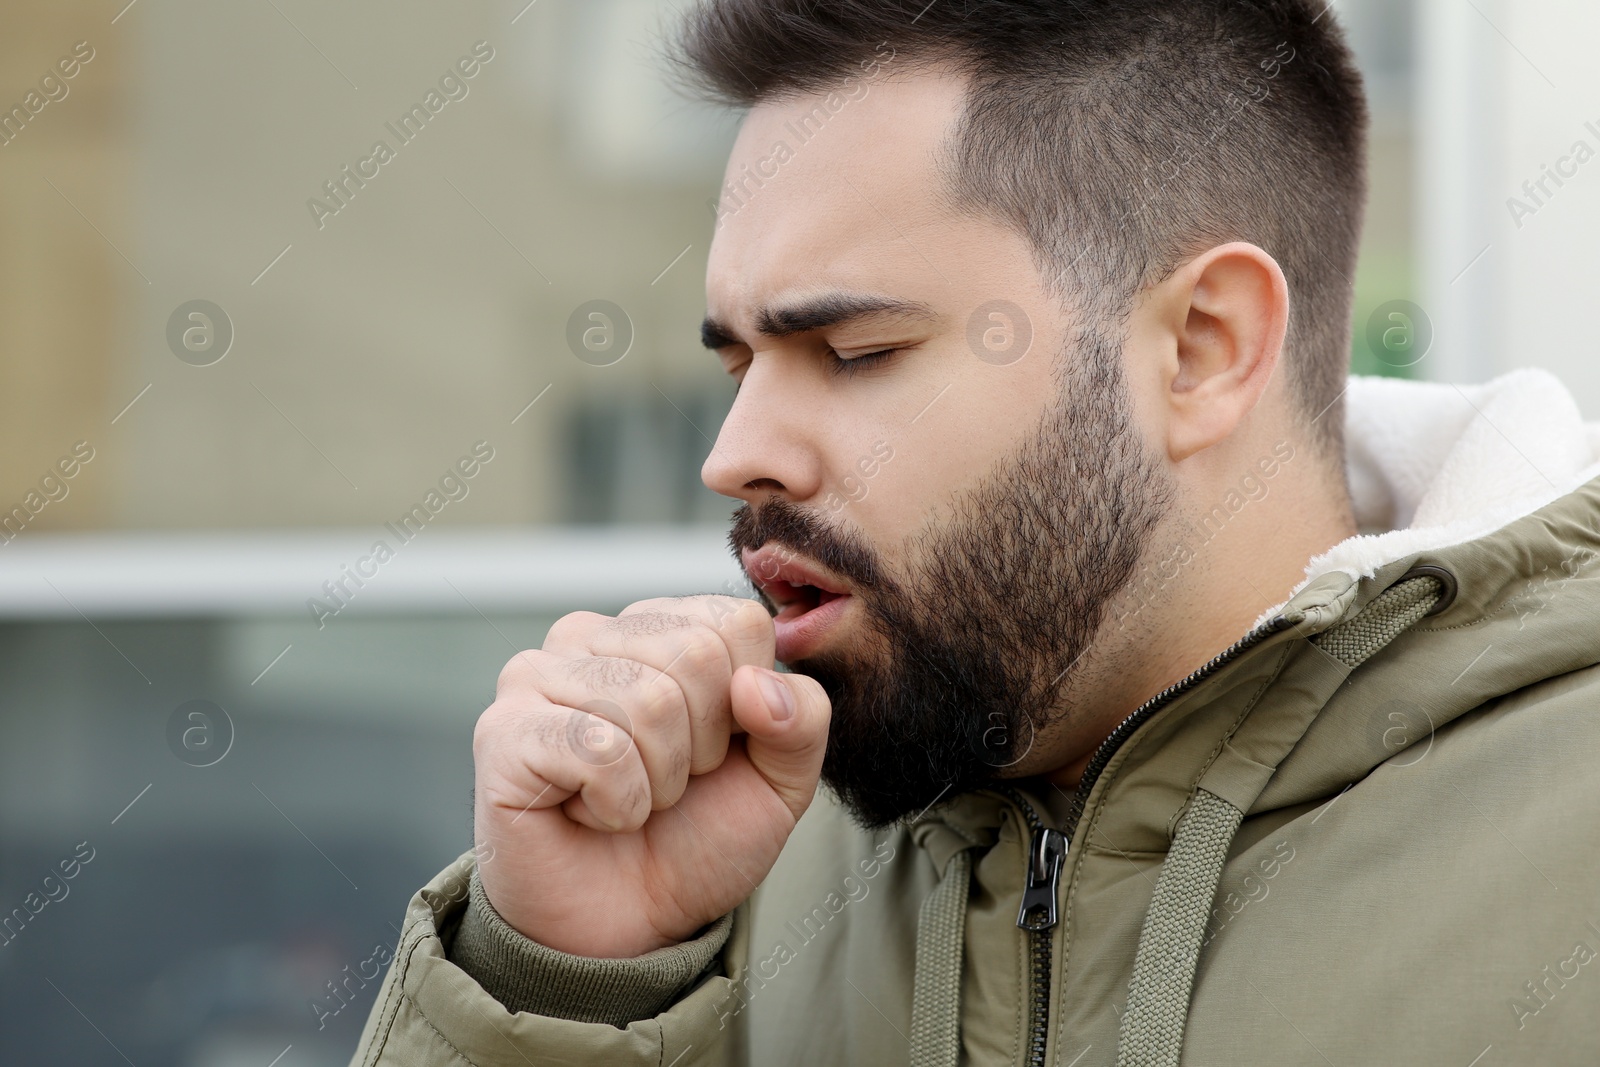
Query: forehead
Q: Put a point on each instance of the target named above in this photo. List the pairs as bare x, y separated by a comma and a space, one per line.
832, 190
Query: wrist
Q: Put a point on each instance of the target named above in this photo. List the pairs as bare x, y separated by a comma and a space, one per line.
581, 935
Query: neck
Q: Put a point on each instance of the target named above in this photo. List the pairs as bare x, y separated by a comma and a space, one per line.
1207, 576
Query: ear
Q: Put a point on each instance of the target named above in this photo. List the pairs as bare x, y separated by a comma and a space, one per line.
1228, 311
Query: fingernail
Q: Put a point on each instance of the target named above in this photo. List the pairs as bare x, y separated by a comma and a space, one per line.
779, 700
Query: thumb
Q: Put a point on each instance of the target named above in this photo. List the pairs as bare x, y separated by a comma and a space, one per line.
785, 719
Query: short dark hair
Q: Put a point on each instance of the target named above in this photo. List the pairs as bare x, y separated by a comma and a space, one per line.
1146, 130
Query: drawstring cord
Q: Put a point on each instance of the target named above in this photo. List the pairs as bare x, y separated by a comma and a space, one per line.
1151, 1032
936, 995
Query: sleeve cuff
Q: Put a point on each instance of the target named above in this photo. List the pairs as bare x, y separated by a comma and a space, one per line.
526, 976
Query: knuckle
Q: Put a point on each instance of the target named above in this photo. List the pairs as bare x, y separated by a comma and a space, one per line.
704, 653
495, 730
520, 672
658, 702
606, 672
745, 619
496, 720
502, 726
513, 672
601, 741
570, 628
647, 623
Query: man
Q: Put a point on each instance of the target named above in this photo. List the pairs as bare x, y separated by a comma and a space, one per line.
1177, 700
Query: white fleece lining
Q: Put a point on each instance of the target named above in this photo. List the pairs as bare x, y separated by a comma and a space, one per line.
1434, 465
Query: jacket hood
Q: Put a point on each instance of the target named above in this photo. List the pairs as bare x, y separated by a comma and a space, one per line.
1496, 486
1433, 465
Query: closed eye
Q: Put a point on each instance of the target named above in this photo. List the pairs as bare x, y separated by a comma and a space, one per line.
838, 364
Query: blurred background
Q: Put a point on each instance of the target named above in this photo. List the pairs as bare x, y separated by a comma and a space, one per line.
257, 367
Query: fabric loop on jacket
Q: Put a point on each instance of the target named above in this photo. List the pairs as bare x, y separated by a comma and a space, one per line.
936, 992
1389, 615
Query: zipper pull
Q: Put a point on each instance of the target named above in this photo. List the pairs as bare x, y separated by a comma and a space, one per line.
1047, 852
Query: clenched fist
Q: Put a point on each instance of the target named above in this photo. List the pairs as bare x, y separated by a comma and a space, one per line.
638, 775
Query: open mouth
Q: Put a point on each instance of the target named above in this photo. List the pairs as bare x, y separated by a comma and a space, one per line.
805, 609
800, 600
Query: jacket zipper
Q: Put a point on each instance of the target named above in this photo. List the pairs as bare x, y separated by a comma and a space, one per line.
1047, 847
1125, 729
1047, 854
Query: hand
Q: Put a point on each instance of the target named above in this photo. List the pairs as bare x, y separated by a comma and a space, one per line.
638, 776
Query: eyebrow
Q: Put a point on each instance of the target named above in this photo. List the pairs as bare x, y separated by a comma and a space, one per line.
816, 313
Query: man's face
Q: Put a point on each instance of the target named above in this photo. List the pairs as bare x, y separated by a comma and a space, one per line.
978, 494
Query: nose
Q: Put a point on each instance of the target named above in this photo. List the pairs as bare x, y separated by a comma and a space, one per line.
767, 443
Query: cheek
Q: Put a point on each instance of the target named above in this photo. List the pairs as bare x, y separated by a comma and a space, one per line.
905, 455
982, 419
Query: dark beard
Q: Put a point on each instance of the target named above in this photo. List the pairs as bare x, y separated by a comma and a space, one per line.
965, 661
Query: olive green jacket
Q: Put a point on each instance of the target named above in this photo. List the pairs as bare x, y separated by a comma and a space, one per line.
1366, 833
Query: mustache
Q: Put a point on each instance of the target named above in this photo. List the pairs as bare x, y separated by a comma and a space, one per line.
788, 525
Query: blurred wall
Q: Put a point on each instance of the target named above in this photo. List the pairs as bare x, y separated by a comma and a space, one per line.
1509, 184
65, 200
376, 338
